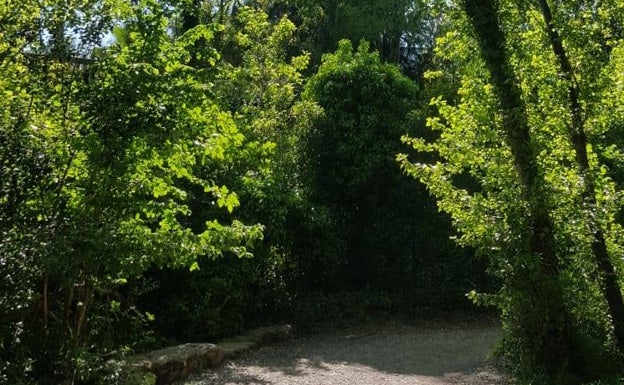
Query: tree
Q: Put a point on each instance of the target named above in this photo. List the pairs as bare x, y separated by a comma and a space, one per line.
350, 152
103, 145
540, 244
578, 136
400, 30
258, 82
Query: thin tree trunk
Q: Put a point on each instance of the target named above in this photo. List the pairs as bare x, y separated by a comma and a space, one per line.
82, 308
546, 316
69, 298
578, 137
46, 307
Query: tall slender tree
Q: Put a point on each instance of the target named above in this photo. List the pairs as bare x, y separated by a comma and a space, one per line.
578, 137
526, 87
552, 346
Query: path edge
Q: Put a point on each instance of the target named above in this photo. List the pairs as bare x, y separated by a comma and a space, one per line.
176, 363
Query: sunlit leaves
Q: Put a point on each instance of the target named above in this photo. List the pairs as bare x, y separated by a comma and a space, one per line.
259, 81
472, 176
170, 130
102, 147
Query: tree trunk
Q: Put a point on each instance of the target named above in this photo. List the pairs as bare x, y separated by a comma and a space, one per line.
545, 326
578, 137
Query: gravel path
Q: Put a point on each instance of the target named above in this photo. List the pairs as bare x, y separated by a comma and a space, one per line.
370, 355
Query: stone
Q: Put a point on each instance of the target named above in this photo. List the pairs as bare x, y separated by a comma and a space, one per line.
176, 363
234, 346
232, 349
267, 334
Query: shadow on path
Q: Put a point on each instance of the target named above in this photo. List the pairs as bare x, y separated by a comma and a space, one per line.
391, 354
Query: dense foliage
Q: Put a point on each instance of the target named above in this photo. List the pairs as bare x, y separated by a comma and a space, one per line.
183, 170
526, 129
350, 169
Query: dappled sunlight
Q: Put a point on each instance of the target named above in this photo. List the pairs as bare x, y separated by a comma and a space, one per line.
394, 355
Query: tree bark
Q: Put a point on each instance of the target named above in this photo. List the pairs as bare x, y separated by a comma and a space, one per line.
609, 285
545, 326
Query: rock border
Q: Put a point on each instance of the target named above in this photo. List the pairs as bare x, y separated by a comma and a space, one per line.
176, 363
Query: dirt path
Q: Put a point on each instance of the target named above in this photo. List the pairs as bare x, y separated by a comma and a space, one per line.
371, 355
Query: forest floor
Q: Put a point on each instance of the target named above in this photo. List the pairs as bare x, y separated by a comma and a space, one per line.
431, 353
